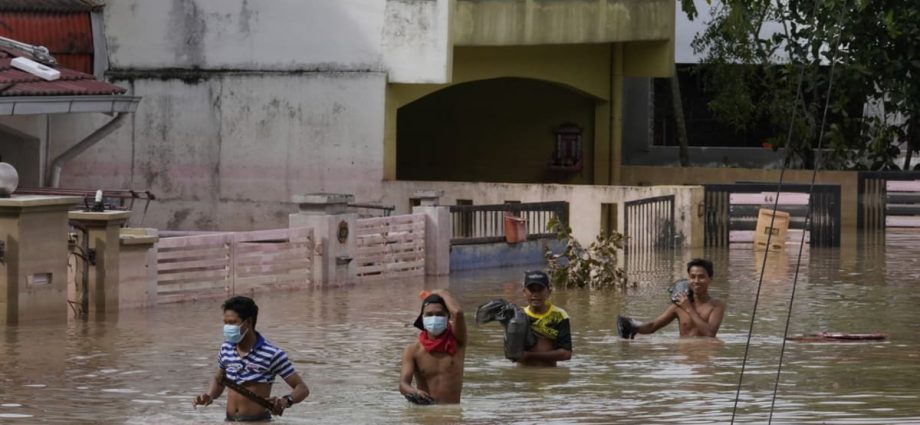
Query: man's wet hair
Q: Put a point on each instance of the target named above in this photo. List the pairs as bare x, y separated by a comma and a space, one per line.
245, 307
706, 264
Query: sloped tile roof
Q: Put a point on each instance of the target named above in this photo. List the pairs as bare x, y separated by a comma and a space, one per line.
59, 6
68, 36
14, 82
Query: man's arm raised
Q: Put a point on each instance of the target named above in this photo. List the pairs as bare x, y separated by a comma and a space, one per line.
456, 315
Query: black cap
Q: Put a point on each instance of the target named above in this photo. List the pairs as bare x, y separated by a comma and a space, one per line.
536, 277
431, 299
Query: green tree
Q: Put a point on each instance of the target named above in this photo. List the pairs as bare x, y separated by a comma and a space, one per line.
783, 78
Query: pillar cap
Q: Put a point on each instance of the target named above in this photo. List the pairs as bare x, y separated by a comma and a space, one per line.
25, 201
323, 198
101, 216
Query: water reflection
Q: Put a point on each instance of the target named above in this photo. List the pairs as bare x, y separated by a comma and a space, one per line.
145, 367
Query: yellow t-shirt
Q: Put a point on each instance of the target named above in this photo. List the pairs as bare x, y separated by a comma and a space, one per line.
554, 325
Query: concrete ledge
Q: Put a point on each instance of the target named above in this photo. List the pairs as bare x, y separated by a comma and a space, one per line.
99, 216
25, 201
484, 256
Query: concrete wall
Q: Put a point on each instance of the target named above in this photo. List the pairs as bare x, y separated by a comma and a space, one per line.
476, 131
22, 152
321, 35
584, 202
417, 40
483, 256
516, 22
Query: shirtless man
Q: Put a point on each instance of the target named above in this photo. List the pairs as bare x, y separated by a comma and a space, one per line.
250, 360
700, 316
436, 359
549, 323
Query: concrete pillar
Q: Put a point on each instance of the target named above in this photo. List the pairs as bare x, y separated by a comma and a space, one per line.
33, 257
103, 233
333, 235
437, 231
137, 268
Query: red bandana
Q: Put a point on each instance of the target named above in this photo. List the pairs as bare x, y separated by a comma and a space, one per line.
444, 343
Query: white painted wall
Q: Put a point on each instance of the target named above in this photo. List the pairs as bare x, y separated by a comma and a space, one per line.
410, 39
245, 34
417, 41
584, 202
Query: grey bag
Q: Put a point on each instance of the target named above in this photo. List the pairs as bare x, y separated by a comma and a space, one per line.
518, 335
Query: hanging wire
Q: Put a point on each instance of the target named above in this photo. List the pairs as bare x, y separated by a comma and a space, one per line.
770, 234
814, 175
763, 265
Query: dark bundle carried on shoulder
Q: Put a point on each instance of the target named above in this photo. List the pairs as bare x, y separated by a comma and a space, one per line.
681, 287
518, 335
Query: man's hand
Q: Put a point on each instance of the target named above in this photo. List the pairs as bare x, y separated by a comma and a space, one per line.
683, 301
203, 400
278, 405
419, 397
627, 328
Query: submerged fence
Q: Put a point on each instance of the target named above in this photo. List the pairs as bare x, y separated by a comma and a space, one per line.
390, 247
723, 216
223, 264
478, 224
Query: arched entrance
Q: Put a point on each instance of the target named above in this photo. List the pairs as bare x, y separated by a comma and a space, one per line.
498, 130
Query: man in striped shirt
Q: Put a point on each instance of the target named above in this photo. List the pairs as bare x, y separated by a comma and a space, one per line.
249, 360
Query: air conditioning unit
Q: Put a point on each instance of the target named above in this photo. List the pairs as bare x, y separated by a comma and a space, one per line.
35, 68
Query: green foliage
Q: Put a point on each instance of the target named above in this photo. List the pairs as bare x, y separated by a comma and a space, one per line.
594, 267
875, 46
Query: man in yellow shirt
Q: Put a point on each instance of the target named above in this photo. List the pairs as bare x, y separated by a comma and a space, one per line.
550, 323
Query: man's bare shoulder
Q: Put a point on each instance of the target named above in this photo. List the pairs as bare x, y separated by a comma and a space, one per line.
716, 302
412, 349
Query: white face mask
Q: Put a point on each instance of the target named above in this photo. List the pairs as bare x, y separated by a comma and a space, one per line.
435, 325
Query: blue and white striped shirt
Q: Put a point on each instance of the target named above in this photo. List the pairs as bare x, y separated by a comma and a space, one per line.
261, 364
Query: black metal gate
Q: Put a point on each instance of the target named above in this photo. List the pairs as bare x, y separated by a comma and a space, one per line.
824, 223
872, 212
649, 224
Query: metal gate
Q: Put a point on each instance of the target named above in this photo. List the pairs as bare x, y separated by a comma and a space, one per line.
872, 212
824, 205
649, 224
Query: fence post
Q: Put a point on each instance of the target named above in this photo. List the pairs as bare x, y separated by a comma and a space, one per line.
437, 232
333, 232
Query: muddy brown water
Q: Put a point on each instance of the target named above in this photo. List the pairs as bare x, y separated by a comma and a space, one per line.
146, 366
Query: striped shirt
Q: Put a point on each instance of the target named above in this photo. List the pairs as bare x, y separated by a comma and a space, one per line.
261, 364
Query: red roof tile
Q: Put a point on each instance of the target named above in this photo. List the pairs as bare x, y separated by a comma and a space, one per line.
68, 36
51, 5
14, 82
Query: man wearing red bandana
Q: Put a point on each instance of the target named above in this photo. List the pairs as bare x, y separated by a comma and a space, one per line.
435, 361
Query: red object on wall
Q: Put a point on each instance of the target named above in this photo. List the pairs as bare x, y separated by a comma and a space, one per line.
68, 36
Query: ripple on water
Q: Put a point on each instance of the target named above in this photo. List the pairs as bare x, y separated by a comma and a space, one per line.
120, 390
14, 415
147, 401
35, 385
10, 405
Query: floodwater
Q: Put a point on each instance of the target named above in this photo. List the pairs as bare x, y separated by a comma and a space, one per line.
145, 367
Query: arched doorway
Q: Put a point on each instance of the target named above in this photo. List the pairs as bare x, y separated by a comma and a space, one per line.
497, 130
